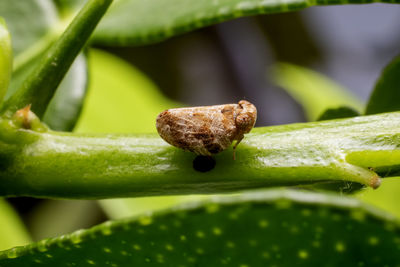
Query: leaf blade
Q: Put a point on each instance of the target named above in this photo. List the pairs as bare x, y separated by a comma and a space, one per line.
28, 21
338, 113
12, 230
306, 229
120, 98
386, 94
132, 22
65, 108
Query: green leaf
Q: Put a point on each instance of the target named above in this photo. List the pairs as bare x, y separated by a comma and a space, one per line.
28, 22
312, 90
12, 230
65, 107
139, 22
386, 94
338, 113
40, 86
284, 228
120, 98
28, 42
5, 59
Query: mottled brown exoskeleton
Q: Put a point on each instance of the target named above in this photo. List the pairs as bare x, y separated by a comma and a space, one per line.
207, 130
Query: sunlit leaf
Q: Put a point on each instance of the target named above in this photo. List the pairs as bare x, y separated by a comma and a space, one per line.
120, 98
312, 90
12, 230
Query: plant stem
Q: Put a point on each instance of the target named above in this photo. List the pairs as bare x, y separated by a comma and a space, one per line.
66, 165
40, 86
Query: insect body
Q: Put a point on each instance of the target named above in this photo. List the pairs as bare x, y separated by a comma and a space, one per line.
206, 130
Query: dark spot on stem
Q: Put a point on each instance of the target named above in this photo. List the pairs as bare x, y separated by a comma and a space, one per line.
203, 163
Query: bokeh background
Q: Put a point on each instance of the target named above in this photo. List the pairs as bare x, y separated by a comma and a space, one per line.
233, 60
343, 48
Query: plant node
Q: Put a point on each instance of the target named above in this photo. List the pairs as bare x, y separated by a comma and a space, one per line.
25, 118
375, 182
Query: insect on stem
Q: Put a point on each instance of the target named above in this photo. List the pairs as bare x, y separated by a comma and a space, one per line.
207, 130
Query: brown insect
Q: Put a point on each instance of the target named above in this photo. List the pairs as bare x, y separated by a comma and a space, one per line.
207, 130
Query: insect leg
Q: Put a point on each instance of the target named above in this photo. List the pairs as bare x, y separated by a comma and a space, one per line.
236, 144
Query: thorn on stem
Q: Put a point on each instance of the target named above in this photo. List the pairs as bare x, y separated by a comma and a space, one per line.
25, 116
375, 182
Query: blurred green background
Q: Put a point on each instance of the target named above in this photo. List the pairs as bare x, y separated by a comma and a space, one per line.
292, 66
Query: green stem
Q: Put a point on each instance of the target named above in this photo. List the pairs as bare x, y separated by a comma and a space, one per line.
66, 165
40, 86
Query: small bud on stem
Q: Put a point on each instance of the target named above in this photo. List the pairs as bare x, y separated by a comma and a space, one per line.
25, 118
